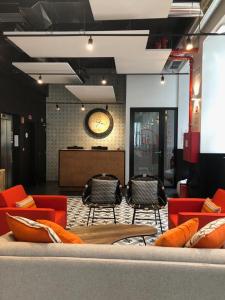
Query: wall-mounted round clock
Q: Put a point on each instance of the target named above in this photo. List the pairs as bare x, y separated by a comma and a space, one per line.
99, 123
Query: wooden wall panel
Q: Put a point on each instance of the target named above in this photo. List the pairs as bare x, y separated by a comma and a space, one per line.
77, 166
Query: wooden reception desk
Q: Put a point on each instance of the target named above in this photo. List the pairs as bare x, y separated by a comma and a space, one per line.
77, 166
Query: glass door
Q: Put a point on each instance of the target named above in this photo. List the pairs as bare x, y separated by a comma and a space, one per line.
152, 143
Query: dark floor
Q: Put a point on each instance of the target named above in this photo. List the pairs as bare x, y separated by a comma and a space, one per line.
51, 187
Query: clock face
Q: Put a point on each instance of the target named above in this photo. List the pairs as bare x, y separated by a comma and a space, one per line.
99, 122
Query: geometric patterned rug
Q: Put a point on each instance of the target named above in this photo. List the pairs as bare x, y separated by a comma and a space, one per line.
77, 215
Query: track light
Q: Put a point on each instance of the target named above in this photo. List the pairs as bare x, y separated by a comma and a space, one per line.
57, 107
90, 45
82, 107
40, 80
162, 81
103, 81
189, 44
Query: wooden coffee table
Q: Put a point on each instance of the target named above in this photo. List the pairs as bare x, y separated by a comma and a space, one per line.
111, 233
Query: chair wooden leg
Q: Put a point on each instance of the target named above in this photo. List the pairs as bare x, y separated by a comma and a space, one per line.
134, 216
114, 215
89, 214
160, 221
93, 216
155, 217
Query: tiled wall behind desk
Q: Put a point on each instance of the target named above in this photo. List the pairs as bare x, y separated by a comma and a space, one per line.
66, 128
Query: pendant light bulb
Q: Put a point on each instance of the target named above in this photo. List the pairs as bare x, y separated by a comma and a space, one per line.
162, 81
189, 44
40, 80
104, 81
57, 107
82, 107
90, 45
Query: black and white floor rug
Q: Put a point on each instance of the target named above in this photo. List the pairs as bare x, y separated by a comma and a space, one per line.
78, 214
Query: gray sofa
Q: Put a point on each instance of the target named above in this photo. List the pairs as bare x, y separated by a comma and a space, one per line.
99, 272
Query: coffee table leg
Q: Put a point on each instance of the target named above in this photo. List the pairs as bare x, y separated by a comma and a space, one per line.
144, 240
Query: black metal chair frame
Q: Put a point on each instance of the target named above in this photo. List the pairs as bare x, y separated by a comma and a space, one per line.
152, 206
86, 198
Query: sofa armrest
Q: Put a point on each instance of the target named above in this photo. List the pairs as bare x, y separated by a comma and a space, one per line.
34, 214
204, 218
31, 213
51, 201
176, 205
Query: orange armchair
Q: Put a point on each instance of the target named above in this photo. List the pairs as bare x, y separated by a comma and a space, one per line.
183, 209
49, 207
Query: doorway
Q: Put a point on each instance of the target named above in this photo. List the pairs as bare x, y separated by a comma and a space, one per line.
6, 129
153, 138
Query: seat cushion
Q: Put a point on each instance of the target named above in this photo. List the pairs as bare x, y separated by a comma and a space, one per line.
103, 191
9, 197
173, 220
60, 217
219, 199
144, 192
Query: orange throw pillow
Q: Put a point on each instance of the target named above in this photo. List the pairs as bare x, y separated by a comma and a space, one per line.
28, 202
178, 237
64, 235
26, 230
211, 235
210, 207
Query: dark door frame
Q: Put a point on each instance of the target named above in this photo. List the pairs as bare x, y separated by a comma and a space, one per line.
161, 111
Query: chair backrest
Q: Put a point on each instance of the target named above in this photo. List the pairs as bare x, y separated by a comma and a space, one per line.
219, 199
103, 189
9, 197
146, 190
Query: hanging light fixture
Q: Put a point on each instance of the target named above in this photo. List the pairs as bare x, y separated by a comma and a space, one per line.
106, 107
90, 45
162, 81
103, 81
82, 107
189, 44
57, 107
40, 80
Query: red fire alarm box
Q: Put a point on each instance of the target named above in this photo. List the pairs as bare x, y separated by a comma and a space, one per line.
191, 147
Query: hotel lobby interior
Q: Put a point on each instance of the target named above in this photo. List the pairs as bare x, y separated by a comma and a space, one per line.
112, 150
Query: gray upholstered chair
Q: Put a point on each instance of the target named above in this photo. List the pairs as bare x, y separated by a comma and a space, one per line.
146, 193
102, 193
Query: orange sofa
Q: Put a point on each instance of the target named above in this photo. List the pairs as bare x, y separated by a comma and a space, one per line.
49, 207
183, 209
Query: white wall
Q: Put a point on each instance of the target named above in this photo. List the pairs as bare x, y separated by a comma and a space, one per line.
213, 96
146, 91
183, 105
